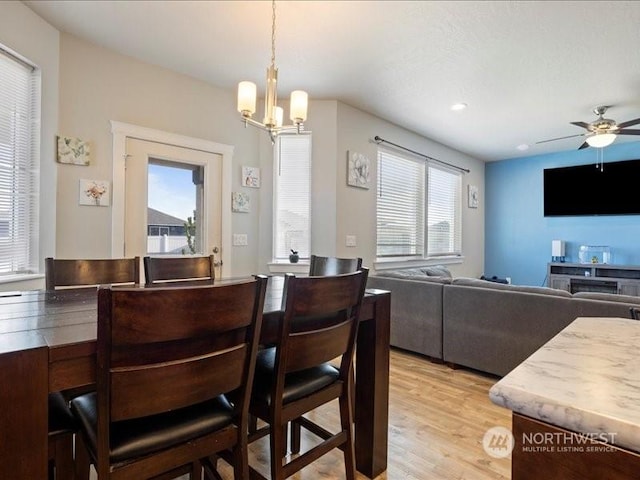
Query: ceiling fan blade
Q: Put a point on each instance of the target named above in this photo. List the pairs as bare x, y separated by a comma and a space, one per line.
584, 145
629, 123
561, 138
580, 124
628, 131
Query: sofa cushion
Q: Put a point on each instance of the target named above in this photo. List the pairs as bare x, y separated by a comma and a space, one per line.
474, 282
608, 297
437, 271
418, 273
415, 274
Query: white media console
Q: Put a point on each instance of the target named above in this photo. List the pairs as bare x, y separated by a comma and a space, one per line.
594, 277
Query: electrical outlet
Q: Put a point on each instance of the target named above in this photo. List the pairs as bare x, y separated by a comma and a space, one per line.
351, 241
240, 240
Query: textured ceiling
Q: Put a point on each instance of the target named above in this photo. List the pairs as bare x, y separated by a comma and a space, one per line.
525, 69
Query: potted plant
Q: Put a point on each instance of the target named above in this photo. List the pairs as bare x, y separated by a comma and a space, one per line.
294, 257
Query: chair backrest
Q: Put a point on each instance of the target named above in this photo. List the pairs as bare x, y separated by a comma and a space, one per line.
170, 269
166, 348
320, 266
84, 273
635, 313
320, 322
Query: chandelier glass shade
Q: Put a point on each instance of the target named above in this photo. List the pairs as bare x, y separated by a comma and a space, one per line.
273, 114
601, 140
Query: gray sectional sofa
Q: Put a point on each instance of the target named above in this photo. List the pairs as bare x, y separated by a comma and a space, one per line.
479, 324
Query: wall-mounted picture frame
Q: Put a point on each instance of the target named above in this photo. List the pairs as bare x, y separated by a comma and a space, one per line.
358, 170
94, 193
73, 151
251, 177
473, 196
240, 202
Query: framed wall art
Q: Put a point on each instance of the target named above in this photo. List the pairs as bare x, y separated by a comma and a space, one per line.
251, 177
358, 168
240, 202
94, 192
473, 196
73, 151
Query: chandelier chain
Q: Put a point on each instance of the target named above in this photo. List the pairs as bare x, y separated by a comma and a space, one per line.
273, 33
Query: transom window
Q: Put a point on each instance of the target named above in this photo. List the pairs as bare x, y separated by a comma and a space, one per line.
419, 208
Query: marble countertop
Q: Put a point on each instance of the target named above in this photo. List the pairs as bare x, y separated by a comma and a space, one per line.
586, 379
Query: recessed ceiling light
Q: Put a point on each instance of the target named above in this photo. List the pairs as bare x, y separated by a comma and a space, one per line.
522, 147
456, 107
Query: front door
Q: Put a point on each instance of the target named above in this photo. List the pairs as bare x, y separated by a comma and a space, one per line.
173, 200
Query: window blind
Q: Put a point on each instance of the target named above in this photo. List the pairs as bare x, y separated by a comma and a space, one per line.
419, 207
292, 209
444, 212
400, 205
19, 160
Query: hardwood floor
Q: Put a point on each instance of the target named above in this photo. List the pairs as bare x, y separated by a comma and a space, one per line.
437, 418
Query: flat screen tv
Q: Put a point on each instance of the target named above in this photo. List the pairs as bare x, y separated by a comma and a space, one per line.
590, 190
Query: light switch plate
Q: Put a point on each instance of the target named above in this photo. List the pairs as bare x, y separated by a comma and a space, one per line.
240, 240
351, 241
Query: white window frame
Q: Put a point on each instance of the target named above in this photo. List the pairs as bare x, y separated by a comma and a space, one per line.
281, 247
421, 255
19, 165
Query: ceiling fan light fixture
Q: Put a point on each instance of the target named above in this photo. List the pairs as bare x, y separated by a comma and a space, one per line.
601, 140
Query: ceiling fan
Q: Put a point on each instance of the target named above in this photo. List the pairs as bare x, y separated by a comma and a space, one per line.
602, 131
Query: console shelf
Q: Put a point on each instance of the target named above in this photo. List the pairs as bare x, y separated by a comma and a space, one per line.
596, 277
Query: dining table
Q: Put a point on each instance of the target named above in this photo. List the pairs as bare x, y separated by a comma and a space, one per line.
48, 344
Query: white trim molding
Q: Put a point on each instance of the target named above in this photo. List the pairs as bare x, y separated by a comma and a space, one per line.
120, 132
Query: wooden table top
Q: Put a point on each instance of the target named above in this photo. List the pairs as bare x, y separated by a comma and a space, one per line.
66, 317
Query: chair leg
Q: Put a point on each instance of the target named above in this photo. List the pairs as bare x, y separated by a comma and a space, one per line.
241, 460
346, 422
196, 471
82, 462
210, 467
253, 423
277, 440
295, 437
64, 458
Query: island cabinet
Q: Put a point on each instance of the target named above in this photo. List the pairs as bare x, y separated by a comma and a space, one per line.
575, 404
542, 451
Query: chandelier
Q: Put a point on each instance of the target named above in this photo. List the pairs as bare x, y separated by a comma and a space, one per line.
273, 114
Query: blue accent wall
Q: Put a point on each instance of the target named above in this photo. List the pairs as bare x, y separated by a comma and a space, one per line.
518, 236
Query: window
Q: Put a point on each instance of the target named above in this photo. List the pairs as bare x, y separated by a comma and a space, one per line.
175, 192
292, 196
418, 208
19, 165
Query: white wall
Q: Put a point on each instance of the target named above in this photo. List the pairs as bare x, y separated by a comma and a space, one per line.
27, 34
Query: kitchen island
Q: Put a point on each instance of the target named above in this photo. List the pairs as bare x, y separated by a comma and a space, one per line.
576, 404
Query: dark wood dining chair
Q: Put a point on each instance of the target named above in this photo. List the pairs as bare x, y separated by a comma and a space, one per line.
634, 312
174, 373
319, 266
77, 273
90, 272
294, 377
159, 270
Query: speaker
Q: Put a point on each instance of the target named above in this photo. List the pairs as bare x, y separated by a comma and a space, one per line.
557, 250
